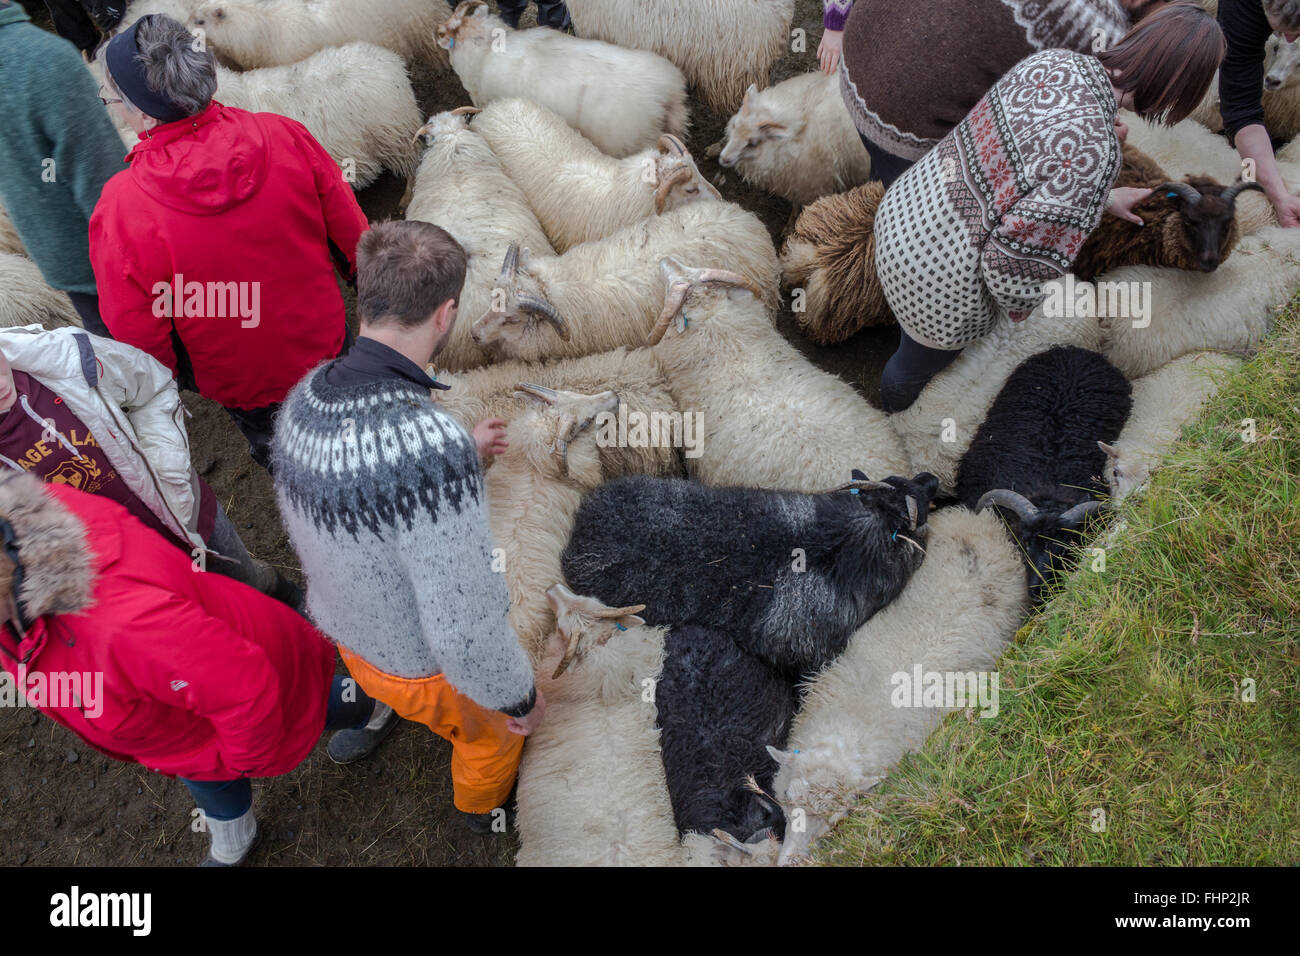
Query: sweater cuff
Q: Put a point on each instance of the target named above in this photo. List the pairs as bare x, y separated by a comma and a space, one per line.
836, 14
521, 710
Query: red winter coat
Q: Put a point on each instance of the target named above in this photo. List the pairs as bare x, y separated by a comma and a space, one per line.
203, 677
228, 197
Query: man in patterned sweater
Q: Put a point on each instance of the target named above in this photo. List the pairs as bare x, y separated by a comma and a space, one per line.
382, 496
972, 232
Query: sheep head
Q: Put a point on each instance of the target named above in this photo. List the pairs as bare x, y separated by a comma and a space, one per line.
1204, 231
582, 623
816, 786
677, 179
1046, 528
521, 321
1124, 472
464, 23
556, 437
754, 130
208, 15
445, 124
685, 284
1281, 59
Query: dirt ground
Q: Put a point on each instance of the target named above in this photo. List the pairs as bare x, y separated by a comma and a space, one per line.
64, 804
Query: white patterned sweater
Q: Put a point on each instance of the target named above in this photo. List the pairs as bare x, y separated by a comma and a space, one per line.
382, 497
1003, 203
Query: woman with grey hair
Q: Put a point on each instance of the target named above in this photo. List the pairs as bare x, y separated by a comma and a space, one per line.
221, 239
1247, 25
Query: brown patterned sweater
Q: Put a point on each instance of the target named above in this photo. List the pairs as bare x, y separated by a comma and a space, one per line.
912, 69
1003, 203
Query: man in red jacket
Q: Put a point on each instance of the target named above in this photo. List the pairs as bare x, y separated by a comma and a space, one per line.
218, 245
109, 630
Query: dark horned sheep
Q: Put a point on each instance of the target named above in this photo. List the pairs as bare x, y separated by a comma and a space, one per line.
1190, 225
790, 576
1036, 455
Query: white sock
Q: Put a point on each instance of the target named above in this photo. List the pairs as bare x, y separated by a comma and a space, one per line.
231, 839
378, 716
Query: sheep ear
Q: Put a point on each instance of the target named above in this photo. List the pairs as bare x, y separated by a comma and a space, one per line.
1111, 451
858, 475
753, 88
772, 127
782, 757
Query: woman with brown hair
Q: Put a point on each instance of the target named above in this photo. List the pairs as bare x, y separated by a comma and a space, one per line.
1004, 202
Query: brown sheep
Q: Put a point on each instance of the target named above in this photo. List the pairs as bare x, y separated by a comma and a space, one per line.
1189, 225
831, 256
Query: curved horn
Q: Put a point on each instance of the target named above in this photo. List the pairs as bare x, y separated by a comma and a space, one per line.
1008, 499
678, 176
510, 267
734, 279
668, 143
1081, 511
673, 302
419, 133
547, 395
466, 111
548, 312
1236, 189
1186, 192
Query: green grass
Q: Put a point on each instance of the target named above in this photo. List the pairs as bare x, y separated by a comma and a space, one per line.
1125, 693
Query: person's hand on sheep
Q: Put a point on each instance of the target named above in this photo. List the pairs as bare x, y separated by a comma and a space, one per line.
525, 725
490, 437
1121, 131
1122, 201
1287, 208
830, 50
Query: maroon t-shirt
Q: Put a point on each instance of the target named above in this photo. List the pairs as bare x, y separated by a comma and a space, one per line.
31, 442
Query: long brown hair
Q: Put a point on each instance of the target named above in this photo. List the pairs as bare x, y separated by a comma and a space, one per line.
1167, 61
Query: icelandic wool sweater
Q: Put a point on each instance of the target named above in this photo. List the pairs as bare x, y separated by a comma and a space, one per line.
382, 497
911, 71
57, 151
1003, 203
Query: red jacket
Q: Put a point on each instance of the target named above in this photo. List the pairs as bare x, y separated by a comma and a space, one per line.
228, 197
203, 677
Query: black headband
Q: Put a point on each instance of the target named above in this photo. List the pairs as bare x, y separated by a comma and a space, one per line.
127, 73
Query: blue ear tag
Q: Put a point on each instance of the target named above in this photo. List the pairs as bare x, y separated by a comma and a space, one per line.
854, 491
619, 626
452, 43
1170, 195
894, 536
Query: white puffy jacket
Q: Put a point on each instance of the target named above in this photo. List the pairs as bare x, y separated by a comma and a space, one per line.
131, 405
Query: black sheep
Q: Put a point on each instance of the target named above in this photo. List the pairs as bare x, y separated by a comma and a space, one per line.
1036, 455
789, 576
719, 708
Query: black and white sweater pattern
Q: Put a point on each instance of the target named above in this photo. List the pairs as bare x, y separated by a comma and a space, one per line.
382, 497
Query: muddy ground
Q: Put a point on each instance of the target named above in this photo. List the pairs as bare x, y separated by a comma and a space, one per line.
64, 804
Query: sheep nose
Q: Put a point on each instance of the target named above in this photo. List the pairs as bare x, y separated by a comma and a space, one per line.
1271, 84
726, 161
1209, 264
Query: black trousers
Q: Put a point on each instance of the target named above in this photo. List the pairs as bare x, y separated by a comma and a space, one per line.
87, 307
550, 13
885, 167
909, 370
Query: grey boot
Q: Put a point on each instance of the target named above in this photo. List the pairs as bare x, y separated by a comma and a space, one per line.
349, 746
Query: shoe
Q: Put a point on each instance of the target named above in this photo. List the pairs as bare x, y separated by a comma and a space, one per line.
211, 860
481, 823
349, 746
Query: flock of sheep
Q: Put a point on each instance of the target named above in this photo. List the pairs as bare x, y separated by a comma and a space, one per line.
717, 653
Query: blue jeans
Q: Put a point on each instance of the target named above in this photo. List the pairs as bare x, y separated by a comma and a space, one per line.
231, 799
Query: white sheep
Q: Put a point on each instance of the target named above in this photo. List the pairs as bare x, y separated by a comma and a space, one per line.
622, 100
1189, 149
461, 187
957, 613
1163, 402
25, 299
797, 140
601, 295
770, 418
490, 392
1229, 309
722, 46
356, 100
1280, 97
939, 426
533, 491
252, 33
553, 164
592, 790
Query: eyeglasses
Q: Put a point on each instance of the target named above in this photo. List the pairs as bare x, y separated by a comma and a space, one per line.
106, 100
